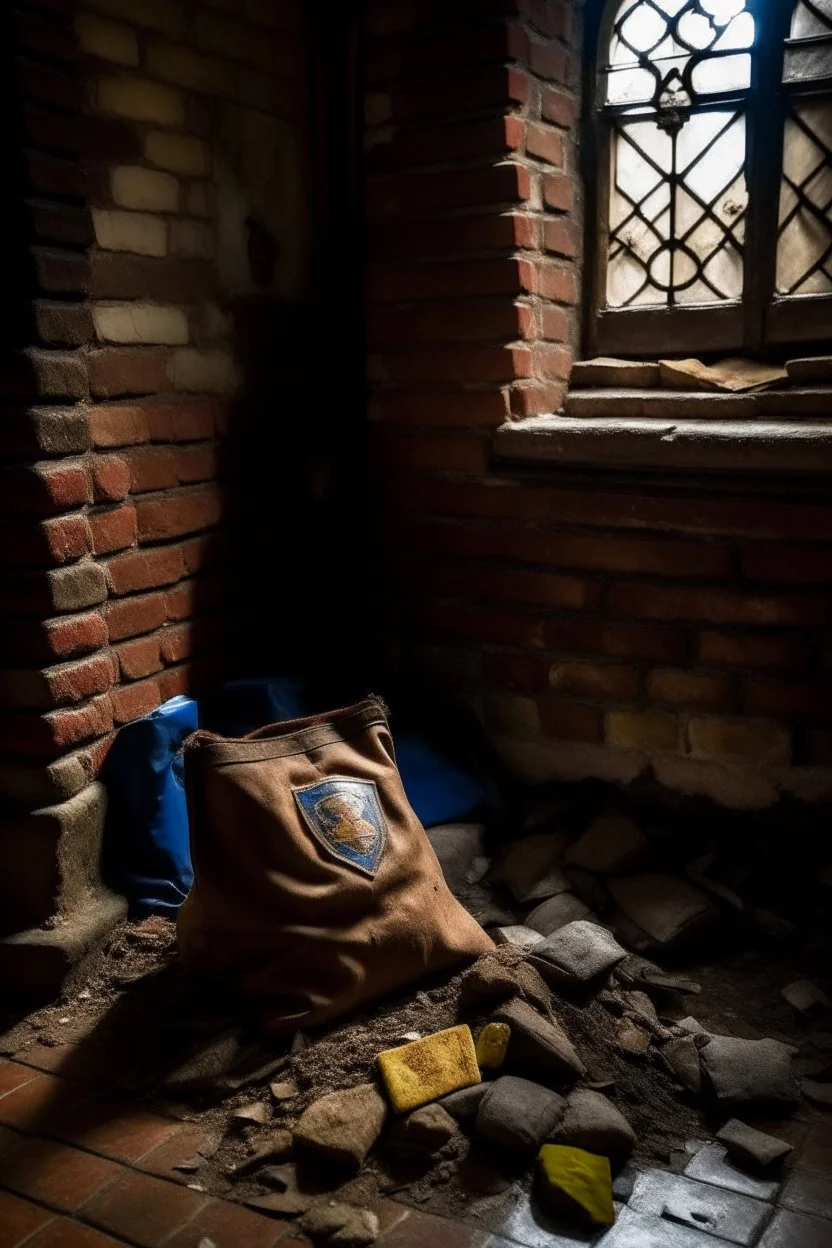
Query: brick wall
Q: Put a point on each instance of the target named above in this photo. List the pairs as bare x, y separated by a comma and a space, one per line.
162, 193
601, 627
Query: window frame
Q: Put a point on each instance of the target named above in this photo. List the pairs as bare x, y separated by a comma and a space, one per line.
761, 322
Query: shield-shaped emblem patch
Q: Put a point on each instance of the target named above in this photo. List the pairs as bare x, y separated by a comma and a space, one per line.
345, 816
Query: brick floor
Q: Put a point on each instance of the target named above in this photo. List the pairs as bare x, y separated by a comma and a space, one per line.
65, 1234
19, 1219
35, 1104
144, 1210
115, 1127
58, 1176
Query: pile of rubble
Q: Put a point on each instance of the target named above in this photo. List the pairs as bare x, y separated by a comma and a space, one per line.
560, 1058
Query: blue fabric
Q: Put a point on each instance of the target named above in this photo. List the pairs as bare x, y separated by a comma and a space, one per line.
437, 789
147, 853
241, 706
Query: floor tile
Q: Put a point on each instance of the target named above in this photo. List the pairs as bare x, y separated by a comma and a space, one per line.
11, 1140
797, 1230
711, 1165
144, 1210
19, 1219
65, 1234
228, 1225
816, 1153
531, 1227
81, 1063
700, 1206
809, 1191
61, 1177
115, 1127
12, 1076
35, 1105
183, 1144
642, 1230
423, 1230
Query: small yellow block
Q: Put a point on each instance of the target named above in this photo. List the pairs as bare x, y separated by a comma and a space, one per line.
424, 1070
492, 1045
577, 1182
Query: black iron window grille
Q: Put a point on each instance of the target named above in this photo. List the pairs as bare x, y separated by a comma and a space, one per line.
711, 172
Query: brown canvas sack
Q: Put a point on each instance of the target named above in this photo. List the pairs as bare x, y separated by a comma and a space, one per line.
315, 887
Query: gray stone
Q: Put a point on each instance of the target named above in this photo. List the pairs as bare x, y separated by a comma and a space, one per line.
749, 1073
643, 1230
750, 1146
343, 1126
605, 371
766, 925
538, 1042
589, 888
632, 1039
530, 867
809, 1191
667, 909
295, 1191
333, 1222
700, 1206
517, 1115
582, 949
814, 371
623, 1183
465, 1103
277, 1147
681, 1056
554, 913
611, 843
806, 998
638, 972
457, 846
254, 1112
428, 1128
796, 1230
518, 935
711, 1165
593, 1123
283, 1091
640, 1008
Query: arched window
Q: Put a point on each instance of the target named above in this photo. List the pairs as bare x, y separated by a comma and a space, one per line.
712, 175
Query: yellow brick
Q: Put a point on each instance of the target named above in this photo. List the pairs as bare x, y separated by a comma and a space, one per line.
137, 232
751, 739
185, 68
642, 730
165, 16
492, 1045
577, 1182
147, 190
110, 41
209, 371
177, 152
417, 1073
194, 239
141, 101
140, 323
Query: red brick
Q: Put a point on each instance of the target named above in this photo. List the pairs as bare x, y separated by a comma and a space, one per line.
140, 614
550, 361
557, 284
40, 1101
785, 700
429, 145
450, 321
48, 543
115, 371
694, 691
69, 727
130, 702
431, 238
20, 1219
144, 1210
175, 681
63, 1233
190, 420
558, 192
196, 463
485, 408
461, 580
549, 61
13, 1075
178, 514
506, 627
557, 107
118, 424
506, 183
201, 552
460, 93
152, 469
78, 681
788, 563
113, 530
139, 658
589, 680
571, 721
641, 730
144, 569
63, 1178
110, 478
715, 605
75, 634
620, 641
176, 643
555, 323
522, 673
224, 1223
534, 400
180, 603
462, 279
452, 454
754, 650
46, 488
544, 143
462, 365
560, 236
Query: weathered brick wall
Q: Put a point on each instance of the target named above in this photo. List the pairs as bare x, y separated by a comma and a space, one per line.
600, 627
158, 158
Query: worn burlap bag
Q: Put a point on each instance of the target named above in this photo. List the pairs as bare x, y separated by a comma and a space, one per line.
315, 887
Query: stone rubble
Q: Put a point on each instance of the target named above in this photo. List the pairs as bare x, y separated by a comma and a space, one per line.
750, 1146
806, 998
517, 1115
554, 913
582, 950
343, 1126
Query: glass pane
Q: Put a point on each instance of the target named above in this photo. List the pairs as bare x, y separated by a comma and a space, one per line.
677, 212
804, 251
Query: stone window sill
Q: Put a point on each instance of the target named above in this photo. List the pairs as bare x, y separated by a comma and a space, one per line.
766, 432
